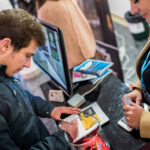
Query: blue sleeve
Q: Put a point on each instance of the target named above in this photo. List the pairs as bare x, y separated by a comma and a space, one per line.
53, 142
41, 107
6, 143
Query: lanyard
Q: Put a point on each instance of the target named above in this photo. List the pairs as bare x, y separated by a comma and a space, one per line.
145, 65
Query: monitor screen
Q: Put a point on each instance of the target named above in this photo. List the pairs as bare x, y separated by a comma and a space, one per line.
51, 58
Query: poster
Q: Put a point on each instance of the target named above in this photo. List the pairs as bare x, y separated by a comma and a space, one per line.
102, 27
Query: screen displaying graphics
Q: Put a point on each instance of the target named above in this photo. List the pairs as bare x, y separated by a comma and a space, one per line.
51, 58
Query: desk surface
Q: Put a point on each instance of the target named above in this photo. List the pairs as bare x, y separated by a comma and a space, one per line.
108, 95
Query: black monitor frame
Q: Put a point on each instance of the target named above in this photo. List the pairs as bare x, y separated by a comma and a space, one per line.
69, 90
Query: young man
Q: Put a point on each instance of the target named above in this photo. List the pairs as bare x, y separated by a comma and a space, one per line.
20, 35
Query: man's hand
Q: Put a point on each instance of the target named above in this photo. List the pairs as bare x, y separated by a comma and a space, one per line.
57, 111
71, 128
135, 96
133, 114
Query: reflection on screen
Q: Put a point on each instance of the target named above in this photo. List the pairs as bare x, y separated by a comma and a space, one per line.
49, 57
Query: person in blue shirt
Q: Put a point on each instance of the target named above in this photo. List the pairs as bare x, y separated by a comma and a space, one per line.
20, 34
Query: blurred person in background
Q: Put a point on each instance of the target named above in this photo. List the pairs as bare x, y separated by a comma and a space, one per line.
78, 37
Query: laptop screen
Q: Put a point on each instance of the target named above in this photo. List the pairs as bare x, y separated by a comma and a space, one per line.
51, 58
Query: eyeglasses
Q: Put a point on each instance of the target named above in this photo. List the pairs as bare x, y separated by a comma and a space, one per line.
136, 1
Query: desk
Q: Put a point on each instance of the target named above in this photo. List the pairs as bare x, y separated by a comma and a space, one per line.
108, 95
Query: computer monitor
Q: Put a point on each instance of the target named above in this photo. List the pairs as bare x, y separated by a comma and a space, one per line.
51, 58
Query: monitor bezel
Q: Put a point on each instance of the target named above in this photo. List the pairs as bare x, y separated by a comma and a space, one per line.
69, 90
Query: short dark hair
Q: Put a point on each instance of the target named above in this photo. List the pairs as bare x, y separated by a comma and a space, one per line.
21, 28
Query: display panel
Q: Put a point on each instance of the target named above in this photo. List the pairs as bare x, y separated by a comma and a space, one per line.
51, 58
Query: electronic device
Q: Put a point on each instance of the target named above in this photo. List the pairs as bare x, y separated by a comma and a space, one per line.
127, 100
123, 124
52, 60
76, 101
122, 121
